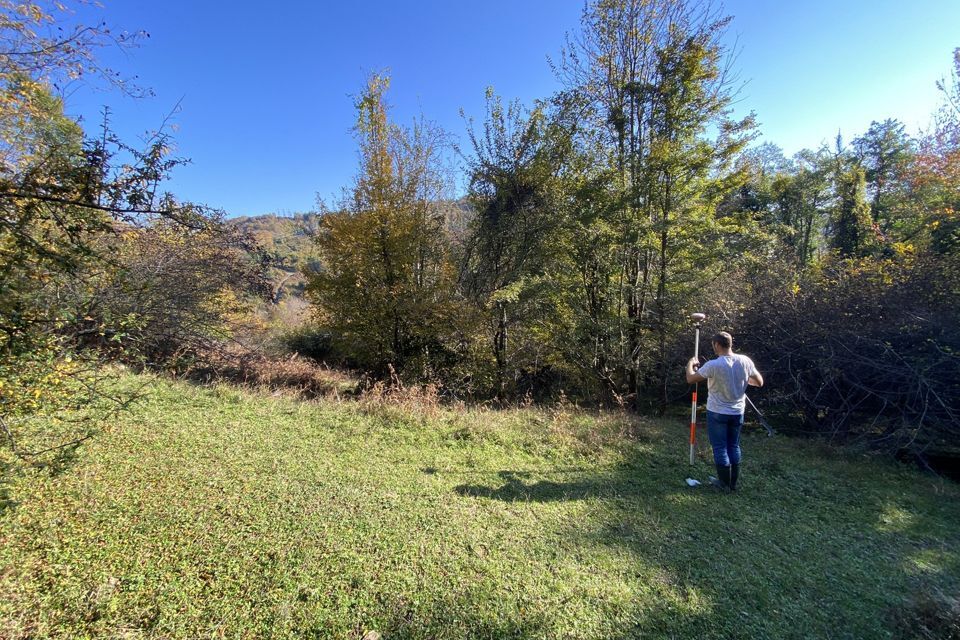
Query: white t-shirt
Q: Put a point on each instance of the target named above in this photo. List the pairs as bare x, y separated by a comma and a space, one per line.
727, 383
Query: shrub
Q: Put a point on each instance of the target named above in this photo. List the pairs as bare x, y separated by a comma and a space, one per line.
310, 342
168, 294
864, 349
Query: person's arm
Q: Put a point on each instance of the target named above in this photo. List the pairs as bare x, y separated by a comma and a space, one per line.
755, 379
692, 375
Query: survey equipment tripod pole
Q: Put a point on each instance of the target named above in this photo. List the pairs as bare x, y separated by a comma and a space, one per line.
697, 319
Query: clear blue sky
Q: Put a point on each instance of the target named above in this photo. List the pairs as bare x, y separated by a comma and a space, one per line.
266, 111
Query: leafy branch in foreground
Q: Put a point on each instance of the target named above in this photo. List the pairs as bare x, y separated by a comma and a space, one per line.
69, 206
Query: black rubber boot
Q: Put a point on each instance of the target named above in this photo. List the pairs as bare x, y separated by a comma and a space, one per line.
734, 474
722, 481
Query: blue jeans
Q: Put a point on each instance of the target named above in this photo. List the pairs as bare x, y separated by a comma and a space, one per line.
724, 434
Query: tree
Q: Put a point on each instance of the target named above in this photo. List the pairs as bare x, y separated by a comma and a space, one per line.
802, 199
851, 228
935, 175
61, 196
387, 281
885, 152
506, 257
654, 72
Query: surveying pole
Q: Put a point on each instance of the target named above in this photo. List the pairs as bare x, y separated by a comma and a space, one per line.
698, 319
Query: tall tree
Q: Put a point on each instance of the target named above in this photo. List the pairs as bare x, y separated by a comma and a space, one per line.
802, 201
885, 152
513, 190
387, 280
654, 71
851, 228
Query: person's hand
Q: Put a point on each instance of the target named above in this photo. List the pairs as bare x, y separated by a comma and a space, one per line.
693, 364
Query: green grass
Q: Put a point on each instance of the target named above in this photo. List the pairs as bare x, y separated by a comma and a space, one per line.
225, 513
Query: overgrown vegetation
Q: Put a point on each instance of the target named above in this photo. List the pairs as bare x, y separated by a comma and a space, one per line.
96, 262
594, 223
607, 213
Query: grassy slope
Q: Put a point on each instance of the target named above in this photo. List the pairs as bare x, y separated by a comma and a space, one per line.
222, 513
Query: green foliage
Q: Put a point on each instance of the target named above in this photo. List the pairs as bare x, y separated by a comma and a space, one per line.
651, 73
789, 200
851, 226
885, 151
67, 206
386, 281
511, 247
44, 246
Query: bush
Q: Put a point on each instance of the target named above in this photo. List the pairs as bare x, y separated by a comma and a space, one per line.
310, 342
864, 349
168, 293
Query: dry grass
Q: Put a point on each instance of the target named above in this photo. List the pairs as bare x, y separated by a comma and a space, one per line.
291, 374
377, 396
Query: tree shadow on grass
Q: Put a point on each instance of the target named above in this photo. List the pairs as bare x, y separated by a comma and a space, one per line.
799, 547
54, 464
517, 489
453, 619
58, 462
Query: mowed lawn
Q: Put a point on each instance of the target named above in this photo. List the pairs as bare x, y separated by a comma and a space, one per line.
219, 512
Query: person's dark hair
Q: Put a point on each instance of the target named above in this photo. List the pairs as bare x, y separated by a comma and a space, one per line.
724, 339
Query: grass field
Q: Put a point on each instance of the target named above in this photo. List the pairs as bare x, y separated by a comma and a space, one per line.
218, 512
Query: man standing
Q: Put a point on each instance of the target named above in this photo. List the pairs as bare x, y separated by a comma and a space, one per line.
727, 378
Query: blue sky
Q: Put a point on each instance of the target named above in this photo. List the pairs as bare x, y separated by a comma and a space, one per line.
265, 90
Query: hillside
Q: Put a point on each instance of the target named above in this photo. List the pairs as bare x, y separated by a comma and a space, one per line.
289, 240
222, 512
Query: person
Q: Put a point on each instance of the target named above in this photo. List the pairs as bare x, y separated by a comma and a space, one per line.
727, 376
